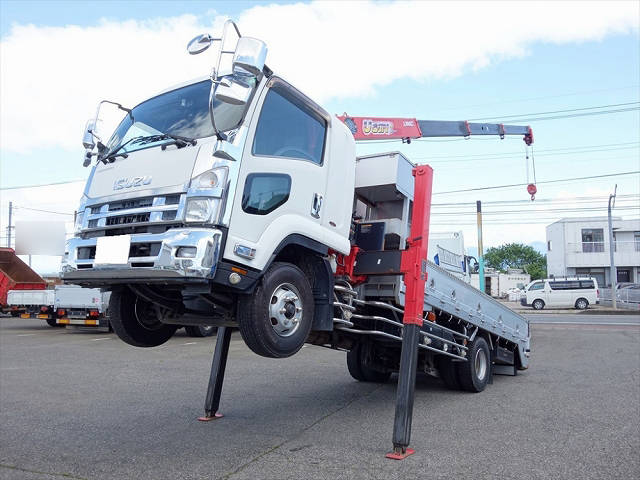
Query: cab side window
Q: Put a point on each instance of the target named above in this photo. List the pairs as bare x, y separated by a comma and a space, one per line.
287, 127
264, 192
537, 286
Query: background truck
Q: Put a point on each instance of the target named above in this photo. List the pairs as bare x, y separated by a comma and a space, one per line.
229, 202
79, 306
33, 304
16, 275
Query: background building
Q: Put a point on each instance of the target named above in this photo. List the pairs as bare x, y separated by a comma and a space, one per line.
580, 246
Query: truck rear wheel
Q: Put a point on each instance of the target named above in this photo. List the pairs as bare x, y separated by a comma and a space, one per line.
52, 322
360, 370
448, 372
276, 320
473, 374
135, 320
200, 330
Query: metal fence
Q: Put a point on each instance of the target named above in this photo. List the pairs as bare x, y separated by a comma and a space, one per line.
625, 297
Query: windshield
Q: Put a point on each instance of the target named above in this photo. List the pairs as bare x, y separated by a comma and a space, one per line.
183, 112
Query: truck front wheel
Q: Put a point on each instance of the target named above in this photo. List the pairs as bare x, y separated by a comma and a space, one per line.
135, 320
276, 320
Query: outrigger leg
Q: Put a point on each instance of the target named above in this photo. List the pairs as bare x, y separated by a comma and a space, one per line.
406, 391
214, 390
414, 268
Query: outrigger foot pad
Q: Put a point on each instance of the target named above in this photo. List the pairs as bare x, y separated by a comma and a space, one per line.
206, 418
400, 453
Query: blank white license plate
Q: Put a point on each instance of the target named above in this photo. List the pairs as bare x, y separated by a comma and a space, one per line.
112, 250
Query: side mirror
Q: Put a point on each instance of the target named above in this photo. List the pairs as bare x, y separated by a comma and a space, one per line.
88, 139
249, 56
199, 44
233, 91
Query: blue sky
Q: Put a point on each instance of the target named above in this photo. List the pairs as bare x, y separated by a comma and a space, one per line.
547, 75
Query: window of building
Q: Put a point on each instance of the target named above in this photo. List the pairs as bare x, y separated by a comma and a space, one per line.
548, 245
592, 240
636, 240
289, 128
264, 192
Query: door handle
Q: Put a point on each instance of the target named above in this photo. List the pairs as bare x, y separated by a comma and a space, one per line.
316, 205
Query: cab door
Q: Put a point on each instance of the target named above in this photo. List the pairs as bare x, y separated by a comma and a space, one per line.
282, 178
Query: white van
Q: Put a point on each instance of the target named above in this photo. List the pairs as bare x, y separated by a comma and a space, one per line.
561, 293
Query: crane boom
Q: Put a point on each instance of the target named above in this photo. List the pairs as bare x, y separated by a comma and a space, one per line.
406, 129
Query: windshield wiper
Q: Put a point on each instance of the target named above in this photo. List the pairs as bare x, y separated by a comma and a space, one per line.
144, 139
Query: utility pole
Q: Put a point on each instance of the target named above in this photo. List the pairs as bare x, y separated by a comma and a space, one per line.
612, 270
480, 252
9, 226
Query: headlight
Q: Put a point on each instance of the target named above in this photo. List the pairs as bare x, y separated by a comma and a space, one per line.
210, 179
78, 223
198, 210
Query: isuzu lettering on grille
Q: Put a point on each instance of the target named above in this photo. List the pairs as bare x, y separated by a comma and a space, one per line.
131, 182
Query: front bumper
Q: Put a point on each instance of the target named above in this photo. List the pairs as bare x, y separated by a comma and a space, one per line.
166, 266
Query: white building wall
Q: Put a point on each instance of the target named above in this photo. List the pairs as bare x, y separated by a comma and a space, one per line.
570, 255
556, 250
512, 280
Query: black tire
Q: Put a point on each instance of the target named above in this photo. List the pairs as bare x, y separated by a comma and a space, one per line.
473, 374
200, 330
582, 304
134, 321
15, 314
448, 372
277, 334
537, 304
358, 368
52, 322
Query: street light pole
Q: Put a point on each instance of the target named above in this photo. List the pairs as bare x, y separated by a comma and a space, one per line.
481, 281
613, 271
9, 227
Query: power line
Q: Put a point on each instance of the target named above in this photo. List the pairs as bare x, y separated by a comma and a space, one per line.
574, 115
44, 211
626, 197
539, 183
44, 184
543, 152
556, 111
585, 92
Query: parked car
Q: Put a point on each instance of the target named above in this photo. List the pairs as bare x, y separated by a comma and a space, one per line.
577, 292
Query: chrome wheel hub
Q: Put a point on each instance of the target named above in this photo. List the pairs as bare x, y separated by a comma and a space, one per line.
481, 364
285, 310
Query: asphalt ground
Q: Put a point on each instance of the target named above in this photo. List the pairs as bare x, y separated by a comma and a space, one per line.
84, 405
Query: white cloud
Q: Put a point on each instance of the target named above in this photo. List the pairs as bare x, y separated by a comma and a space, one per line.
51, 78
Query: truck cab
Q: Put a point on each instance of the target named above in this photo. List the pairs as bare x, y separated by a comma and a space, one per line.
200, 192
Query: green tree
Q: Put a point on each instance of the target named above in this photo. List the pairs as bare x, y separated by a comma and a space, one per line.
517, 255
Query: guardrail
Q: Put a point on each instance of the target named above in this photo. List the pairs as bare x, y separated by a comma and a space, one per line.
625, 297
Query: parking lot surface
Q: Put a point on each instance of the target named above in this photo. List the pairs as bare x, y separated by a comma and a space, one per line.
84, 405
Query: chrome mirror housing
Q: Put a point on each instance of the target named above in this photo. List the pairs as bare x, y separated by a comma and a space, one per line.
233, 91
199, 44
249, 56
88, 141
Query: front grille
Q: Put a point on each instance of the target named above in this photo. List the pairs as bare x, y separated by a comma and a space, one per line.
133, 203
125, 219
137, 215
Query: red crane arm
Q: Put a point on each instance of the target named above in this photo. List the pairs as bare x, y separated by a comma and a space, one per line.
384, 128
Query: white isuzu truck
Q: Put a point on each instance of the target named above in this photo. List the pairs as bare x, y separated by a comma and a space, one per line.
229, 201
